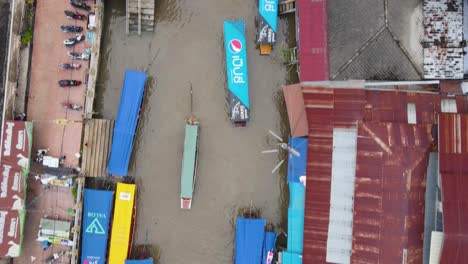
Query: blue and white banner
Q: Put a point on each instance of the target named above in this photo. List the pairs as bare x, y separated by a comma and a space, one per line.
96, 215
236, 70
267, 23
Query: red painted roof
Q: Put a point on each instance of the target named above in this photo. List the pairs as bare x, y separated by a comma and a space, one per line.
313, 40
329, 108
296, 111
389, 192
453, 149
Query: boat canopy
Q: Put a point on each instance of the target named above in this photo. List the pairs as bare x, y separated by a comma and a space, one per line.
122, 223
236, 71
139, 261
297, 166
96, 219
250, 234
267, 22
189, 162
126, 123
269, 245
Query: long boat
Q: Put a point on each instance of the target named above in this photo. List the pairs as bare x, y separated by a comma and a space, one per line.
189, 162
96, 219
236, 71
122, 223
267, 25
126, 123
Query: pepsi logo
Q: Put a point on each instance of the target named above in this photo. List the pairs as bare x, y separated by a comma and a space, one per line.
235, 46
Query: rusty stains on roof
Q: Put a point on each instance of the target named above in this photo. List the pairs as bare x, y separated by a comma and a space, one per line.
396, 153
389, 192
453, 145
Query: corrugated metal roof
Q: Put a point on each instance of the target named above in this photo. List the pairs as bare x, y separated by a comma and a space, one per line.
389, 192
296, 111
436, 247
453, 148
340, 227
313, 40
329, 108
430, 213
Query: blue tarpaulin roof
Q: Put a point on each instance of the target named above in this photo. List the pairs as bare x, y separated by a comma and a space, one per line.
249, 240
125, 125
139, 261
296, 217
96, 215
297, 165
268, 245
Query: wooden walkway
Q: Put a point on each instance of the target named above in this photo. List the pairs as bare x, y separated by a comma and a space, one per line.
97, 141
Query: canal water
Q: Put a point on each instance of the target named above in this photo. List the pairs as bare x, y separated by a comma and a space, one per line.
187, 47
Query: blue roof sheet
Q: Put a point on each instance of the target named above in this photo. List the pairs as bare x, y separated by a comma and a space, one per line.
139, 261
269, 245
96, 215
297, 165
268, 9
296, 217
291, 258
126, 123
249, 240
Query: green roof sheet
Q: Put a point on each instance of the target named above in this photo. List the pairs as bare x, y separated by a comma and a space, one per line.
188, 162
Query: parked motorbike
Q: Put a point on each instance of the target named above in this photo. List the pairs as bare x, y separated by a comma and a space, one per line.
72, 41
68, 66
74, 107
80, 5
78, 56
69, 83
73, 15
71, 28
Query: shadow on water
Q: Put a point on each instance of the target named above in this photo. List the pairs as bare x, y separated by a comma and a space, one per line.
146, 251
142, 121
283, 155
105, 59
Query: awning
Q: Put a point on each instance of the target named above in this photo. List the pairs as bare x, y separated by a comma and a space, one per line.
189, 160
236, 70
249, 240
297, 165
96, 217
269, 245
126, 123
267, 21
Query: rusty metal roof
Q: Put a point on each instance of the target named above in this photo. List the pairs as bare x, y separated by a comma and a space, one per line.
328, 108
296, 111
389, 194
313, 40
453, 148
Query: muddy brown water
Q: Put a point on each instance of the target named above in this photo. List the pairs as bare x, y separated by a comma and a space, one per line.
187, 46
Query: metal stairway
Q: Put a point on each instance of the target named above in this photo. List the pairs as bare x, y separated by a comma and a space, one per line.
140, 15
285, 7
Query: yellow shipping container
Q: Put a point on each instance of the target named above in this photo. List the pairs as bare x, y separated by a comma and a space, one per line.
122, 223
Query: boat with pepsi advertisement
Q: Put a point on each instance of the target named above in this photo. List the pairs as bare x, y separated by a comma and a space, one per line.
267, 25
236, 71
